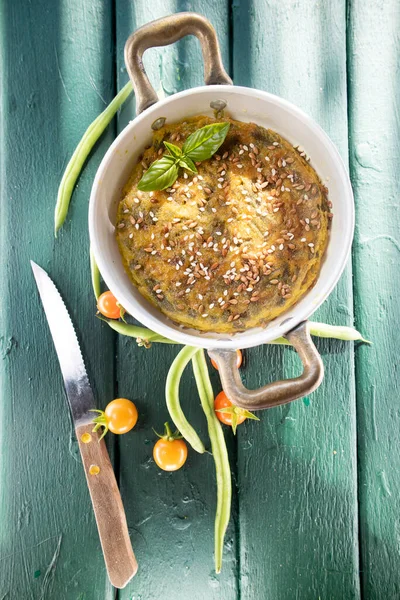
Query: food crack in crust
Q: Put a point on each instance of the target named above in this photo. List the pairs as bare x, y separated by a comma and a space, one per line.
233, 246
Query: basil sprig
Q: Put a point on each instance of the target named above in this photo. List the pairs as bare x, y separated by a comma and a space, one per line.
199, 146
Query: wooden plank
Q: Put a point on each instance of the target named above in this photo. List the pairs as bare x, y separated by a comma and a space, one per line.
171, 515
297, 468
375, 151
57, 76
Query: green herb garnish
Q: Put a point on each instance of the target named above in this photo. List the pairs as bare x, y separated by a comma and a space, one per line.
199, 146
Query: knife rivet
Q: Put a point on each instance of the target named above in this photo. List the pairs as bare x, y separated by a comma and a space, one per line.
86, 438
94, 469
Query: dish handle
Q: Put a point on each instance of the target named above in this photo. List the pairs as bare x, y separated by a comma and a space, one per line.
279, 392
164, 32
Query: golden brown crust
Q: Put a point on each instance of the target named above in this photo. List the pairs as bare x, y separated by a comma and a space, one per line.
233, 247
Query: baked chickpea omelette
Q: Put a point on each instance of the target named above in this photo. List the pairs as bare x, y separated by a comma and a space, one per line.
234, 245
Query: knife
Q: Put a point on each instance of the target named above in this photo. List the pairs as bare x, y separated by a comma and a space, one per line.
107, 504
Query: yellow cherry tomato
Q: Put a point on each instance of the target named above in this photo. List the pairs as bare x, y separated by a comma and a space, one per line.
121, 415
222, 401
170, 455
108, 306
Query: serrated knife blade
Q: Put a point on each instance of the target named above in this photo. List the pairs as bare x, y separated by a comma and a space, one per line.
106, 499
76, 381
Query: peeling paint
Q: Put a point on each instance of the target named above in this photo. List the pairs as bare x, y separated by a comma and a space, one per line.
48, 577
384, 484
7, 345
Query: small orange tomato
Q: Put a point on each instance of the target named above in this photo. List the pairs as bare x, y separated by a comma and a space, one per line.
222, 401
170, 451
120, 416
108, 306
239, 360
170, 455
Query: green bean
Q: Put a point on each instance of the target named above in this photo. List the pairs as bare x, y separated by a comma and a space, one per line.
81, 153
220, 455
94, 270
172, 397
317, 329
338, 332
136, 331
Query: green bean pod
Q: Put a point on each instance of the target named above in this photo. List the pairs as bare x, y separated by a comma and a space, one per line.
338, 332
95, 273
81, 153
220, 455
136, 331
172, 398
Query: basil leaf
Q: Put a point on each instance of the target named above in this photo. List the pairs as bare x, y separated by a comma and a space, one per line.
204, 142
160, 175
188, 164
175, 151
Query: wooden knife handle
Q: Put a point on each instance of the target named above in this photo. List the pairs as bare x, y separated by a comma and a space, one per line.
108, 508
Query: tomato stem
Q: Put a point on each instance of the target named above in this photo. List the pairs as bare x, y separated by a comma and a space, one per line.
100, 421
168, 432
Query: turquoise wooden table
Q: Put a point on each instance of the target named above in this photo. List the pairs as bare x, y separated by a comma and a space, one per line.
316, 483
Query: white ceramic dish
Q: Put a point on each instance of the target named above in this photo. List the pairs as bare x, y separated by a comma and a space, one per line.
243, 104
